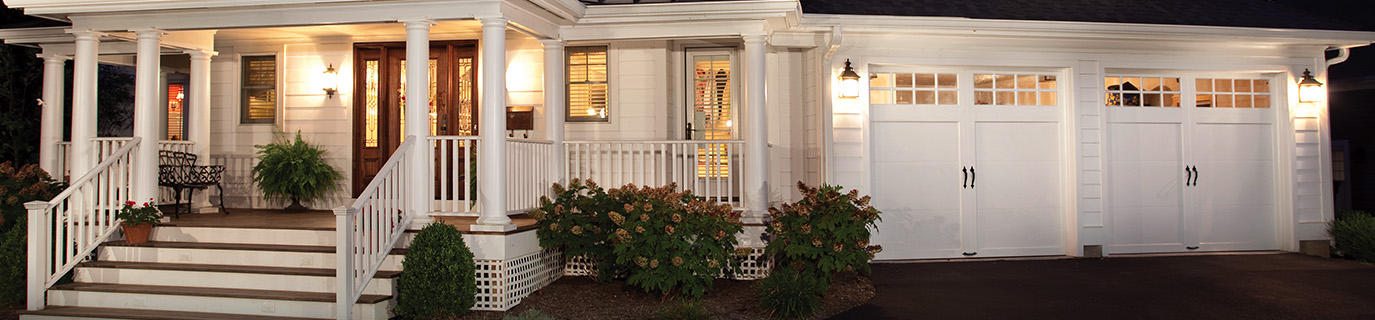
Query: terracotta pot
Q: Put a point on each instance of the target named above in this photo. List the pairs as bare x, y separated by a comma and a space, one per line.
137, 233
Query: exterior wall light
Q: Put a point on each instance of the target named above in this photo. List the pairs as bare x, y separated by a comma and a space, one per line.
849, 82
331, 81
1310, 90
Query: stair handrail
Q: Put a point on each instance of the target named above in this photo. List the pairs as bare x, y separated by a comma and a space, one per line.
83, 215
367, 240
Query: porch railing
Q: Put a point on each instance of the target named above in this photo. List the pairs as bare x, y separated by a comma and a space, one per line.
710, 169
64, 230
528, 174
368, 229
104, 146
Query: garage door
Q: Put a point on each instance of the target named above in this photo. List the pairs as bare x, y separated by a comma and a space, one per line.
967, 163
1191, 163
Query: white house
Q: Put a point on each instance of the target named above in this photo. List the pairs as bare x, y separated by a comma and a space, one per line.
981, 128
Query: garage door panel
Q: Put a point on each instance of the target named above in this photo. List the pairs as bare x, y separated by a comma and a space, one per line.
917, 141
1024, 228
1251, 227
1145, 188
1146, 142
916, 186
1144, 227
1233, 142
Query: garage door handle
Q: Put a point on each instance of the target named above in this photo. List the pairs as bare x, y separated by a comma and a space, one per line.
969, 254
1188, 175
1191, 247
965, 183
972, 176
1195, 176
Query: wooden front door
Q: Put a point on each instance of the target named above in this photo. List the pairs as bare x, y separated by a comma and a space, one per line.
378, 115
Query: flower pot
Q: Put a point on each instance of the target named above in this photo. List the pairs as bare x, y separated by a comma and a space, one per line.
137, 233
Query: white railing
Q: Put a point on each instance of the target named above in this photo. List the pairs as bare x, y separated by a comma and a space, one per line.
64, 230
369, 229
710, 169
62, 171
528, 173
104, 146
455, 171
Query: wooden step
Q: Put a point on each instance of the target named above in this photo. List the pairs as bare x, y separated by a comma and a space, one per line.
236, 246
113, 313
214, 292
322, 272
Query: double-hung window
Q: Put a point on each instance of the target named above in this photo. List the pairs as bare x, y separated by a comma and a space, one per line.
587, 84
258, 93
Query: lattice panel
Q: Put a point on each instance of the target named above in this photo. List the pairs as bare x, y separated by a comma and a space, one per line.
502, 284
753, 267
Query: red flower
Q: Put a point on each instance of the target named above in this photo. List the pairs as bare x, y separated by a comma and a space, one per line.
128, 203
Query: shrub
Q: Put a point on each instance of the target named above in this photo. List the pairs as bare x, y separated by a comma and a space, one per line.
823, 233
294, 170
790, 293
14, 262
669, 241
438, 276
689, 309
1353, 235
574, 222
532, 314
20, 185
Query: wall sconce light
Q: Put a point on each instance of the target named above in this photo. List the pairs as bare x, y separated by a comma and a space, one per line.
1310, 90
331, 80
849, 82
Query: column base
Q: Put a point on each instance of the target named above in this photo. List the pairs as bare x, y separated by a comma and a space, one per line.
492, 227
419, 222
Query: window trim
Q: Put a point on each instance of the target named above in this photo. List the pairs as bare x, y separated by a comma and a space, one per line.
243, 89
568, 84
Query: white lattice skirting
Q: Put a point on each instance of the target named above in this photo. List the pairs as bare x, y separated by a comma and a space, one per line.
751, 268
501, 284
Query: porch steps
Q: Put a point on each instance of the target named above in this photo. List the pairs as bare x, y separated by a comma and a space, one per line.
213, 272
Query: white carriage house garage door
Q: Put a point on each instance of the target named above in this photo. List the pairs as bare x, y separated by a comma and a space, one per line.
967, 163
1191, 163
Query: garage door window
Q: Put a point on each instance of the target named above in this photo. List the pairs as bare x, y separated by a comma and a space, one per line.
913, 88
1233, 93
1014, 89
1139, 91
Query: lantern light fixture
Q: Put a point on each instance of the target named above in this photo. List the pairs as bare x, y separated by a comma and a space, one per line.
330, 78
1310, 89
849, 82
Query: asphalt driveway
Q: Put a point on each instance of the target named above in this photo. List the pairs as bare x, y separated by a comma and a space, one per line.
1245, 286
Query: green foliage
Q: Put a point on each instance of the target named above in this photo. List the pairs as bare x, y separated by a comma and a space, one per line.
790, 293
1353, 235
663, 241
14, 262
21, 85
20, 185
689, 309
824, 233
148, 213
294, 170
532, 314
438, 277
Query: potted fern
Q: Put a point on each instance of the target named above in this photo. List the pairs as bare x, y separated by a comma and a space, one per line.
138, 222
294, 170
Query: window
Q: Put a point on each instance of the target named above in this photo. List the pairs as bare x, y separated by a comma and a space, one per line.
1139, 91
175, 121
587, 84
914, 88
1014, 89
1156, 91
259, 89
1232, 93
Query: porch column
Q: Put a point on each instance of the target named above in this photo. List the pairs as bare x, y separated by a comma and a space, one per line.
146, 114
492, 126
756, 133
418, 111
82, 151
555, 105
54, 90
198, 105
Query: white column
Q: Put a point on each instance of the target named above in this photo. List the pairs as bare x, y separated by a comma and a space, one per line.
84, 71
198, 107
54, 92
756, 133
147, 75
492, 148
418, 111
555, 105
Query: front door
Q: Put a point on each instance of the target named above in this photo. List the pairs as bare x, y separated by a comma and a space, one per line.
379, 118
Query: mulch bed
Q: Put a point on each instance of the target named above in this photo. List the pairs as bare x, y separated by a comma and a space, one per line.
585, 298
9, 311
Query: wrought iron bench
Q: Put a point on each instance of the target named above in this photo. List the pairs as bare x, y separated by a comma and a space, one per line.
178, 170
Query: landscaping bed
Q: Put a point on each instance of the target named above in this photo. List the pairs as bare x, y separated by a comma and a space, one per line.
585, 298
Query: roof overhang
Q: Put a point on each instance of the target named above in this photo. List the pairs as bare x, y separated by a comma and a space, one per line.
684, 20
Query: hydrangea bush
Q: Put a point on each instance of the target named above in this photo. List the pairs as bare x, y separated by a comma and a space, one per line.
823, 233
574, 222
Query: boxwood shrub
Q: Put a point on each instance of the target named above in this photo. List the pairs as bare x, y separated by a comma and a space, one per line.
1353, 235
438, 277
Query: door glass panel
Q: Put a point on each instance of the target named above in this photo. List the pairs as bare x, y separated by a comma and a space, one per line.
465, 97
712, 116
434, 89
371, 100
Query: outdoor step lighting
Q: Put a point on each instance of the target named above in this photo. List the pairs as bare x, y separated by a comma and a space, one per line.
1310, 90
331, 81
849, 82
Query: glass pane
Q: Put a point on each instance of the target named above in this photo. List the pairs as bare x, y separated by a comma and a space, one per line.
1262, 86
1007, 98
1203, 85
262, 103
1150, 84
1112, 83
904, 97
1047, 82
880, 97
949, 97
983, 97
1047, 98
1004, 81
947, 81
1113, 99
1171, 100
1243, 101
926, 97
903, 80
1151, 99
1131, 99
465, 97
1262, 101
1171, 84
1243, 85
1131, 84
596, 72
984, 81
371, 100
925, 80
881, 80
260, 71
1026, 82
1222, 85
1204, 101
1026, 98
1223, 100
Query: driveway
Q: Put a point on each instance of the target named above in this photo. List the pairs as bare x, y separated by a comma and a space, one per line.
1249, 286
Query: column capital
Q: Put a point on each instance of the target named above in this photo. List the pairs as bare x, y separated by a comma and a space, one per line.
201, 53
493, 21
754, 37
86, 34
553, 43
417, 23
54, 57
148, 33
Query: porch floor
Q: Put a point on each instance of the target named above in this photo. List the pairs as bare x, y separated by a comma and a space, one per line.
307, 220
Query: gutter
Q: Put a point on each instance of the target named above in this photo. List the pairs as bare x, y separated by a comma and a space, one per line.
1342, 54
